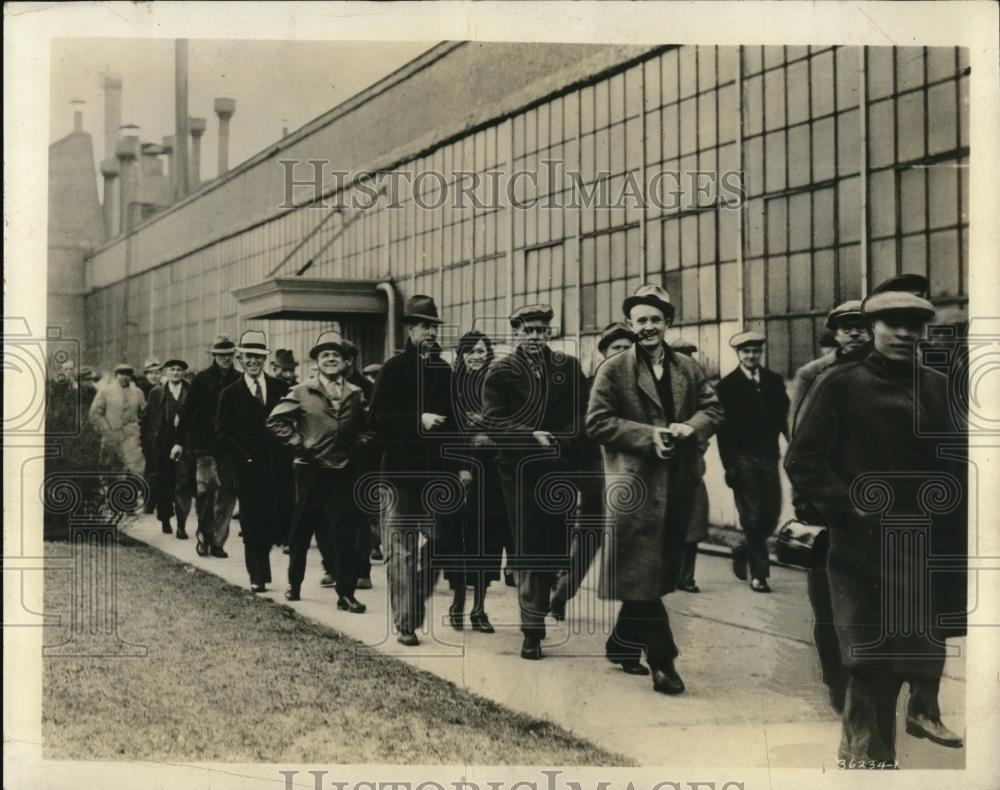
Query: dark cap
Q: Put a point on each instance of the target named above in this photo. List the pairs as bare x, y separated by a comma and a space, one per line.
421, 308
175, 362
908, 283
683, 346
850, 310
616, 330
531, 312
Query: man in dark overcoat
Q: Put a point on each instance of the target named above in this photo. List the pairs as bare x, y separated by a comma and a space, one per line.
651, 409
756, 407
533, 403
171, 481
262, 467
411, 406
215, 481
865, 455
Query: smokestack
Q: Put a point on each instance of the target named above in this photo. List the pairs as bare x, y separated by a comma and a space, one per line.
112, 85
284, 128
224, 108
181, 115
197, 127
78, 114
168, 149
109, 169
127, 154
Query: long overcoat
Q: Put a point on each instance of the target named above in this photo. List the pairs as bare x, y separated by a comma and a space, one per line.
263, 467
115, 413
865, 454
158, 437
647, 500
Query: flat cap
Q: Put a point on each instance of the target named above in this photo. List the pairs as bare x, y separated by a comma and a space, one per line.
847, 311
747, 339
616, 330
531, 312
683, 346
907, 282
174, 362
900, 302
124, 367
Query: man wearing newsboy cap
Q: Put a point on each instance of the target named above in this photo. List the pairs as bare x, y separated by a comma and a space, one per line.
756, 413
651, 409
865, 455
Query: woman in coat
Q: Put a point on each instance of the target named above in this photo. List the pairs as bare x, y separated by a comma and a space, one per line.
482, 530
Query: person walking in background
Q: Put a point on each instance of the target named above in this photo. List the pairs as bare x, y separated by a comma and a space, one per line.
862, 418
534, 405
152, 375
483, 529
283, 366
697, 526
214, 476
171, 480
412, 403
115, 413
756, 407
651, 410
262, 467
322, 421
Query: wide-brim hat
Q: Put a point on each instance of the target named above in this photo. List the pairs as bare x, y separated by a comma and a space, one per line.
223, 344
124, 367
180, 363
653, 295
151, 364
907, 283
329, 340
253, 341
531, 312
284, 358
616, 330
421, 307
848, 311
900, 303
751, 338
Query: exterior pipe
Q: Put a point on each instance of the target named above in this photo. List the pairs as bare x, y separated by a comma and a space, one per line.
390, 322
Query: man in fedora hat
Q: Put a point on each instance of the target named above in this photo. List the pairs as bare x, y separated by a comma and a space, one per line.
534, 402
411, 403
322, 421
171, 480
152, 372
283, 366
215, 480
651, 410
891, 441
115, 413
262, 467
756, 407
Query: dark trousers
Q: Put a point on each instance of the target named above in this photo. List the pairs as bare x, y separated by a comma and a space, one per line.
757, 491
824, 633
258, 561
172, 489
410, 539
643, 627
688, 561
325, 506
869, 721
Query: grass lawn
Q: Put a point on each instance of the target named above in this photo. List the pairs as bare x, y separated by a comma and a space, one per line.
232, 678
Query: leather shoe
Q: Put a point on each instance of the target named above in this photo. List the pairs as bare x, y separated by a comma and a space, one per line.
837, 694
690, 587
364, 583
166, 528
352, 605
292, 594
531, 649
480, 622
923, 726
633, 668
456, 618
740, 563
181, 534
760, 585
258, 588
215, 551
327, 581
407, 638
201, 549
667, 681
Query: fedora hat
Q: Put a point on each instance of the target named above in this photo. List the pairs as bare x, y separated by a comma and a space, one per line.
330, 340
616, 330
421, 308
651, 294
253, 341
223, 344
151, 364
284, 358
175, 363
124, 367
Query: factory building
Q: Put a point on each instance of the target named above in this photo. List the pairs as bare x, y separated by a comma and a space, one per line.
853, 166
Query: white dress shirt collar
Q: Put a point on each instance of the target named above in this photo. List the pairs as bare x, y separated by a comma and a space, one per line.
250, 381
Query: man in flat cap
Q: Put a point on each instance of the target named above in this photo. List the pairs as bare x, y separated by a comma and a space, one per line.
115, 413
214, 475
171, 480
756, 408
152, 372
283, 366
261, 464
651, 409
876, 475
533, 403
411, 405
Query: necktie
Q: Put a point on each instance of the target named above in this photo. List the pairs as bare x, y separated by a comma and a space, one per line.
258, 393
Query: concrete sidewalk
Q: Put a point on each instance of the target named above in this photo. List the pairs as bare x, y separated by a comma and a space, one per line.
754, 696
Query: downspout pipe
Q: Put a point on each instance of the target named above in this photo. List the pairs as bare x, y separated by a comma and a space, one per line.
390, 321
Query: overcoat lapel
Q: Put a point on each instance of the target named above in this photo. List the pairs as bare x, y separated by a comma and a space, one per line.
645, 379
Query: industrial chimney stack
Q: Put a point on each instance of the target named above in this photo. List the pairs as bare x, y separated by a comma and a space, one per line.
224, 108
181, 116
197, 128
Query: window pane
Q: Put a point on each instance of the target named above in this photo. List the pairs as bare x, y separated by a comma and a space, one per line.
880, 72
849, 209
823, 274
822, 150
941, 121
847, 77
881, 133
777, 284
774, 178
774, 99
943, 193
689, 301
689, 240
728, 284
911, 200
798, 92
909, 68
823, 218
849, 261
910, 111
822, 84
849, 142
800, 282
706, 293
944, 263
882, 203
799, 222
882, 261
753, 106
777, 231
798, 156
